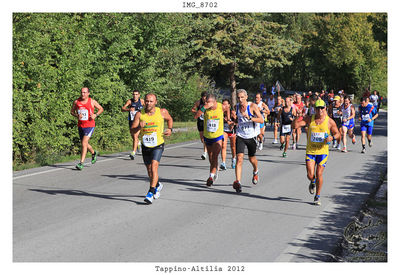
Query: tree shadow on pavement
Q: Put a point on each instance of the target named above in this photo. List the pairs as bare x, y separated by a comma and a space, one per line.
73, 192
354, 191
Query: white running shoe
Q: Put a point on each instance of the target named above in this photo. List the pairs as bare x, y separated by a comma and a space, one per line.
158, 190
275, 141
204, 156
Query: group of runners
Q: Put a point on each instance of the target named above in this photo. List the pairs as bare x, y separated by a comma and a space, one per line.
325, 120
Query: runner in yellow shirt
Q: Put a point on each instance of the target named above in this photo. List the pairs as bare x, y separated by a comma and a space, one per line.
213, 132
150, 120
321, 130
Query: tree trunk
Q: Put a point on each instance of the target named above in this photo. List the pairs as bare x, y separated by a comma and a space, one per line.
232, 82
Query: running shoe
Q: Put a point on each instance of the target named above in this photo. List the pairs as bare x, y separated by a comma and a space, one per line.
79, 166
260, 146
254, 180
338, 147
363, 150
294, 146
275, 141
149, 197
370, 143
158, 190
210, 181
233, 163
297, 146
94, 157
237, 186
312, 187
281, 148
132, 155
353, 140
204, 156
222, 166
284, 155
344, 150
317, 200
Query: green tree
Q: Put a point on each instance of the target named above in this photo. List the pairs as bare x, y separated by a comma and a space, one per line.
239, 42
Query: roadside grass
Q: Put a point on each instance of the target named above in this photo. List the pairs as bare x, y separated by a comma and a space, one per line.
183, 131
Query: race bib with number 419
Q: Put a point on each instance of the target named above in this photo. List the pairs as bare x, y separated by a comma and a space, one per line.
150, 140
212, 125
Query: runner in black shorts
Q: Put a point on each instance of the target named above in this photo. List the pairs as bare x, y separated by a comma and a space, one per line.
200, 121
335, 112
248, 117
286, 116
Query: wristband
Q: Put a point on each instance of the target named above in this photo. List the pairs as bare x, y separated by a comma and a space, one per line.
203, 109
170, 129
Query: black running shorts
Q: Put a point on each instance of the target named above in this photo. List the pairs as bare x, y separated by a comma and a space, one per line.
250, 143
150, 154
200, 125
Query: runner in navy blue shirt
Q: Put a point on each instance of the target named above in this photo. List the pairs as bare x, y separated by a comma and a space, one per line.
367, 114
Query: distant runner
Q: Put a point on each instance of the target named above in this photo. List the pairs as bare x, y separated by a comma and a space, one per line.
200, 121
349, 114
335, 112
133, 105
367, 114
83, 109
264, 110
286, 116
229, 133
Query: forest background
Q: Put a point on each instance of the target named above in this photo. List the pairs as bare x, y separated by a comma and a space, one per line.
176, 56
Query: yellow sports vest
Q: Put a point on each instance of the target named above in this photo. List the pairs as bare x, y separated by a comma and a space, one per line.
214, 122
153, 128
316, 144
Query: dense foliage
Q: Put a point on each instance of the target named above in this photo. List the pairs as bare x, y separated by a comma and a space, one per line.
177, 56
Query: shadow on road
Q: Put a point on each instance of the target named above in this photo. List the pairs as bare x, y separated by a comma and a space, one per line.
87, 194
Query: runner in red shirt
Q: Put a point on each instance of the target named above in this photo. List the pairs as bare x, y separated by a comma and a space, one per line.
299, 114
83, 109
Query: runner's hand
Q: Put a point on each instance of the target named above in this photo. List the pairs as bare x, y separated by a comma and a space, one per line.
167, 132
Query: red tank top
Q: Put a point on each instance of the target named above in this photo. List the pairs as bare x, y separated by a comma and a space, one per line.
86, 110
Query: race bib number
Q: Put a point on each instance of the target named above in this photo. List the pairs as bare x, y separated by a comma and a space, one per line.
246, 128
365, 117
150, 140
212, 125
318, 137
286, 128
335, 114
84, 113
132, 114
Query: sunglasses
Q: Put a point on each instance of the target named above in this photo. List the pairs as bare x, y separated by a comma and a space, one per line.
319, 108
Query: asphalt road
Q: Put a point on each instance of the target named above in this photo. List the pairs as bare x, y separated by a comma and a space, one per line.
98, 214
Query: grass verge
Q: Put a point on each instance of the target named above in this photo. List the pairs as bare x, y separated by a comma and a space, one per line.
184, 131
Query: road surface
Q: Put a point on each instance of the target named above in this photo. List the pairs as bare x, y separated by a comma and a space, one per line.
98, 214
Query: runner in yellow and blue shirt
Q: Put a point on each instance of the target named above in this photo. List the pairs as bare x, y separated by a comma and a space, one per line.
321, 131
213, 113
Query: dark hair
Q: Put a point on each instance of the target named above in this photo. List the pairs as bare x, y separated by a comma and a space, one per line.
203, 94
211, 96
226, 99
134, 91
